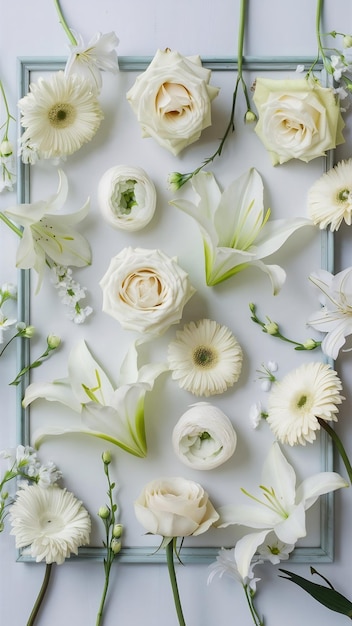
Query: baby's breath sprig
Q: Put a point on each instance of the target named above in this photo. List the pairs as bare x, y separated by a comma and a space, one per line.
176, 180
113, 533
272, 328
335, 64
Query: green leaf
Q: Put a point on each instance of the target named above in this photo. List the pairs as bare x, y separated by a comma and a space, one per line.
330, 598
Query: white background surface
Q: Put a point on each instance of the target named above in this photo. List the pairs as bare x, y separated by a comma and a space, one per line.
211, 30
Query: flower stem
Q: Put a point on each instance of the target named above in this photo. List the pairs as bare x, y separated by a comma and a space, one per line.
249, 597
64, 24
171, 567
8, 114
41, 595
176, 179
10, 224
339, 445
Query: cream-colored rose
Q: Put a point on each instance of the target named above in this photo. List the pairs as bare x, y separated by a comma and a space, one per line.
126, 197
204, 437
172, 99
298, 119
175, 507
145, 290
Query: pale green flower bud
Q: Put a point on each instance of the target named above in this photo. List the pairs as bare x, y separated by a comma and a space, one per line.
250, 117
28, 331
104, 512
175, 181
347, 41
53, 341
115, 546
272, 328
106, 456
6, 148
310, 344
117, 531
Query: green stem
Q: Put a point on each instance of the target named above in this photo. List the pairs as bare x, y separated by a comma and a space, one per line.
41, 595
183, 178
64, 24
10, 224
171, 567
104, 594
8, 114
256, 619
339, 445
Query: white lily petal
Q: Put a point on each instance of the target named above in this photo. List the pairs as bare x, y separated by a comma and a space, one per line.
239, 215
314, 486
276, 274
27, 214
275, 233
58, 391
279, 475
66, 247
85, 373
336, 338
244, 515
26, 256
245, 549
224, 262
112, 425
205, 223
294, 527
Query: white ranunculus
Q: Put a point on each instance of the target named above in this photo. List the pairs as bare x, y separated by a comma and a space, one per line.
127, 197
298, 119
174, 507
172, 99
204, 437
145, 290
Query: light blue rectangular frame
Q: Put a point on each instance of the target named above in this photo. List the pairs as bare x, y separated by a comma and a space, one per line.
139, 555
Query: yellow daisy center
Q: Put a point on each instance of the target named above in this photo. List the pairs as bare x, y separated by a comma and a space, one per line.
205, 357
62, 115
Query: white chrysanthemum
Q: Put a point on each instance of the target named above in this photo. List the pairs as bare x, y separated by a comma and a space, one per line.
330, 198
296, 402
205, 358
59, 114
51, 522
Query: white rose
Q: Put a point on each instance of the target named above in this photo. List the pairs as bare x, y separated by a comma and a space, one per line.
298, 119
172, 99
127, 197
175, 507
204, 437
145, 290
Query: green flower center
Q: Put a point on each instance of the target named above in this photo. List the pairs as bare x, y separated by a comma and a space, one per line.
204, 436
62, 115
302, 401
344, 195
205, 357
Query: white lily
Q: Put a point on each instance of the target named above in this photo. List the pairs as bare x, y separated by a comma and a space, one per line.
235, 229
281, 507
335, 316
47, 237
88, 60
115, 414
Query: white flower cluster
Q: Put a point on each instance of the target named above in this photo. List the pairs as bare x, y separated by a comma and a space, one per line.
70, 292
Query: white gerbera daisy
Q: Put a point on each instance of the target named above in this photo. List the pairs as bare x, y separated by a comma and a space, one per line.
51, 522
59, 114
330, 198
296, 402
205, 358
